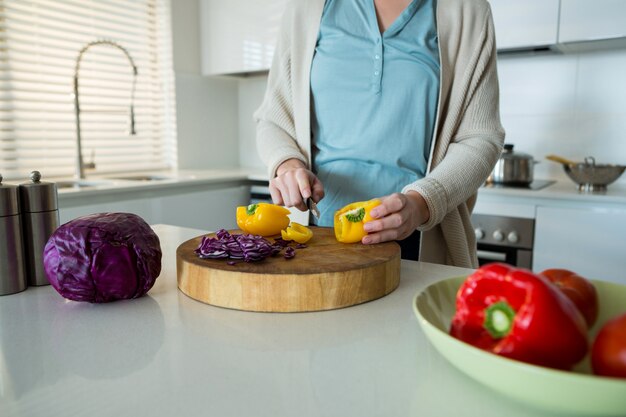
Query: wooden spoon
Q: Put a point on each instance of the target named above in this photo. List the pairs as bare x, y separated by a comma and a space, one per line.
561, 160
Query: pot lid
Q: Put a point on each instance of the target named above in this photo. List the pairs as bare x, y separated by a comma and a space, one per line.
509, 153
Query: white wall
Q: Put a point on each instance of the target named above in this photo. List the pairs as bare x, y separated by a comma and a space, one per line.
573, 105
251, 91
206, 108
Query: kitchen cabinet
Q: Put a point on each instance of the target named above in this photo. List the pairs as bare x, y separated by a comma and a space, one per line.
139, 206
589, 241
584, 20
239, 36
209, 209
583, 232
525, 24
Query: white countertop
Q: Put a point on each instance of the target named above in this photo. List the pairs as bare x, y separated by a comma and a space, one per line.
562, 190
168, 355
521, 202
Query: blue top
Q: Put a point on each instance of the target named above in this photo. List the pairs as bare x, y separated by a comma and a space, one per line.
374, 101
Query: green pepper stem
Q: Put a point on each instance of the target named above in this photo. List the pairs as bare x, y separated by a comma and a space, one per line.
356, 215
499, 319
251, 209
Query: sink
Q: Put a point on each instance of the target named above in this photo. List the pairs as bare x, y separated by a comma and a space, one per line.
92, 183
77, 184
143, 178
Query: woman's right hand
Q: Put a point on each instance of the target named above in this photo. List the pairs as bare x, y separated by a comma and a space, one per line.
293, 184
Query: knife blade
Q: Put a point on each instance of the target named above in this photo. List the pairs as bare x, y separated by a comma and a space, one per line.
313, 207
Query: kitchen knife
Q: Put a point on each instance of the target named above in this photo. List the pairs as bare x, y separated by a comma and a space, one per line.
313, 207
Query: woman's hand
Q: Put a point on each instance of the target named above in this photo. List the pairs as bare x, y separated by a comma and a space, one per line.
396, 218
293, 184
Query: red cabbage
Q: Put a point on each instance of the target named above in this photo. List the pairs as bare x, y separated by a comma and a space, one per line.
248, 247
289, 253
103, 257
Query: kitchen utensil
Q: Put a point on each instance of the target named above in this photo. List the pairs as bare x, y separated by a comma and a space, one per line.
40, 217
560, 159
514, 168
592, 177
323, 276
12, 268
313, 207
561, 392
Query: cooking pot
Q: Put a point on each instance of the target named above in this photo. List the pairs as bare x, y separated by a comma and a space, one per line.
515, 168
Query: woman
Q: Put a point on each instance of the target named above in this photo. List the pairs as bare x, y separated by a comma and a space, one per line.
395, 99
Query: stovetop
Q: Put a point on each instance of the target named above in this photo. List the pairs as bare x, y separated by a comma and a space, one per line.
535, 185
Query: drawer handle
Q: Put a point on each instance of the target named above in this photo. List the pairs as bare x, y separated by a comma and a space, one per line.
491, 256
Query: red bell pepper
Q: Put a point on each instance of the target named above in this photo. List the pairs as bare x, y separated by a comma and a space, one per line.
514, 313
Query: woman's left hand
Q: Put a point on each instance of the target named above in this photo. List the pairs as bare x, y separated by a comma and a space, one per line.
396, 218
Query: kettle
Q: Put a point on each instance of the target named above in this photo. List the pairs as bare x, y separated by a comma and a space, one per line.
514, 168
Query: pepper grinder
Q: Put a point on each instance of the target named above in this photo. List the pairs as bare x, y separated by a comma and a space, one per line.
12, 268
40, 218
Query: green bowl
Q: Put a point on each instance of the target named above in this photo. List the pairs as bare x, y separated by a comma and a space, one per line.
574, 393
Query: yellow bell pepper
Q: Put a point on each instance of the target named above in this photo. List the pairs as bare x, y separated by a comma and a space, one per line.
297, 233
350, 219
262, 219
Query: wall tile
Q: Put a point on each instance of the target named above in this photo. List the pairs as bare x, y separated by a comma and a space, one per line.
537, 84
573, 105
601, 84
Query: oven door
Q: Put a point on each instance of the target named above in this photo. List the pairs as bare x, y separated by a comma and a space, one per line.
521, 258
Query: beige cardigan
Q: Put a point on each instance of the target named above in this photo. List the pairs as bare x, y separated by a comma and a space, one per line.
468, 135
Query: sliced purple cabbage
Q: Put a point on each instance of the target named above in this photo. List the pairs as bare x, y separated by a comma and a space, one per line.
250, 248
289, 253
279, 241
103, 257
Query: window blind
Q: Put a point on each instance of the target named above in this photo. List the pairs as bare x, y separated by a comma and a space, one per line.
39, 44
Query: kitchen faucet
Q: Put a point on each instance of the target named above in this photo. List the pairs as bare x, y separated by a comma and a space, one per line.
80, 166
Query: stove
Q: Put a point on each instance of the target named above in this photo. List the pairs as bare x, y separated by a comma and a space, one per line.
504, 239
535, 185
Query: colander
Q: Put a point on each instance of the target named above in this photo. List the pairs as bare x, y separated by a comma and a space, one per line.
592, 177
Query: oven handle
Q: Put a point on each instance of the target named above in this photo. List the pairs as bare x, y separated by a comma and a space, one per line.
491, 256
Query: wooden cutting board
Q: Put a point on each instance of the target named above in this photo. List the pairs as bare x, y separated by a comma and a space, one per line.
323, 276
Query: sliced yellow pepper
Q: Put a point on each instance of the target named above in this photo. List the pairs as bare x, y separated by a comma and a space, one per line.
350, 219
297, 233
262, 219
